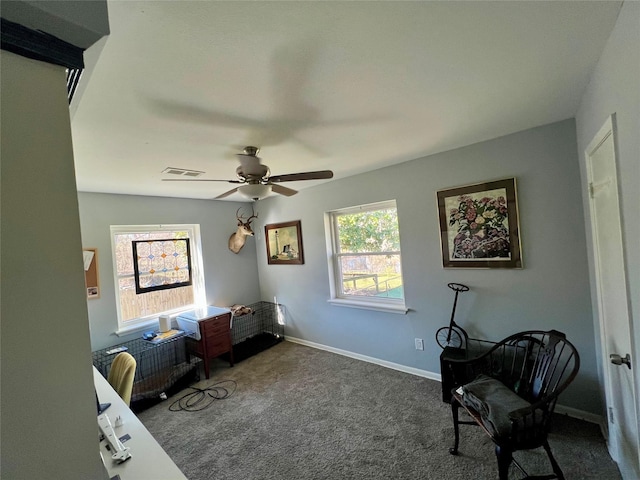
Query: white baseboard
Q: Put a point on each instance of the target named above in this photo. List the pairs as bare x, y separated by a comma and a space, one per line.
383, 363
569, 411
580, 414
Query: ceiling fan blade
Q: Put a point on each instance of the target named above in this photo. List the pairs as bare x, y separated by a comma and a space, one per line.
287, 192
226, 194
291, 177
198, 180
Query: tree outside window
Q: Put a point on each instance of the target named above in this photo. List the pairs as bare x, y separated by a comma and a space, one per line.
366, 253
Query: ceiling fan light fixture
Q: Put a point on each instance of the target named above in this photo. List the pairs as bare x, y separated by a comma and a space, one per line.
255, 191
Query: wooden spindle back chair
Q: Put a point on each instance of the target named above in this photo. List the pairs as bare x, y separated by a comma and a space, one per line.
516, 387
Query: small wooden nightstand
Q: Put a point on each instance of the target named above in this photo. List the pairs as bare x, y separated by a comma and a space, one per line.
215, 340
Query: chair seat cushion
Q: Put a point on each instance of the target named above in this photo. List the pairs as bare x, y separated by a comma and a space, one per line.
493, 401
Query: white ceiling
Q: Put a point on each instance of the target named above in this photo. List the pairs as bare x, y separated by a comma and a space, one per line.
347, 86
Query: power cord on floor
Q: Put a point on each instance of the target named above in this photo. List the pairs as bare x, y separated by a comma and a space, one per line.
202, 398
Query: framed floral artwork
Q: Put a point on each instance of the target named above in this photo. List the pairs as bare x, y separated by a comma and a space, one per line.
284, 243
479, 225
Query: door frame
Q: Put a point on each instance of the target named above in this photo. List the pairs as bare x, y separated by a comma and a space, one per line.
607, 130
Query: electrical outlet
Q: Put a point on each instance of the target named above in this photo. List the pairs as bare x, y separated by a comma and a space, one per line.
419, 344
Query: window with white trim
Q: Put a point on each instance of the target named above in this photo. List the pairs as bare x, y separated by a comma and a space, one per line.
365, 268
157, 271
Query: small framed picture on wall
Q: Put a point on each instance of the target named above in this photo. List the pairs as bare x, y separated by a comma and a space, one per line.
284, 243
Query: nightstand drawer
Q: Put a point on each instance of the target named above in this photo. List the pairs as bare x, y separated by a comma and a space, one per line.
218, 346
215, 328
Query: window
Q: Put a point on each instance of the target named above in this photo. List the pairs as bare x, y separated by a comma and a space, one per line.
157, 271
366, 267
161, 264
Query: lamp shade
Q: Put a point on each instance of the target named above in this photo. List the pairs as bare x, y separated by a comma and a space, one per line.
255, 191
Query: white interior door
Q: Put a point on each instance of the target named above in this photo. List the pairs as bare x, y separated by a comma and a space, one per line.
613, 302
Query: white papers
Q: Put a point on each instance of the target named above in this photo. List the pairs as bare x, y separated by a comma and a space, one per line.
87, 256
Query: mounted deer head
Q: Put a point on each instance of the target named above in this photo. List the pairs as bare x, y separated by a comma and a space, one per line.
237, 239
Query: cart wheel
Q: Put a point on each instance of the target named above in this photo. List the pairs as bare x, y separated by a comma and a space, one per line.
449, 337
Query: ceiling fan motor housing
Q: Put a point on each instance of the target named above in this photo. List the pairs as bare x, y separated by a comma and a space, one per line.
252, 151
253, 173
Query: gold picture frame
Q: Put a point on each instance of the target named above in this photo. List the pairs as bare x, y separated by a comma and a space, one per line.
479, 225
284, 243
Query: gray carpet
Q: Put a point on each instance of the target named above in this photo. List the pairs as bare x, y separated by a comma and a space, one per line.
301, 413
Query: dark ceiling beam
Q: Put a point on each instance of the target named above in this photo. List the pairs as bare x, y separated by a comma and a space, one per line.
53, 31
38, 45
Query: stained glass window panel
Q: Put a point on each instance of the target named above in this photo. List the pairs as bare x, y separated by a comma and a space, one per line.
161, 264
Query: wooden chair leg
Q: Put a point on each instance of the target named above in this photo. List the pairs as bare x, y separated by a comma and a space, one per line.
504, 456
554, 464
456, 430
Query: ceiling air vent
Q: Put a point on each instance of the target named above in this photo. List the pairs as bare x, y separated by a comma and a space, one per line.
182, 172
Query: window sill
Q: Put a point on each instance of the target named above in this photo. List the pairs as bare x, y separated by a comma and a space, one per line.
153, 323
387, 308
138, 327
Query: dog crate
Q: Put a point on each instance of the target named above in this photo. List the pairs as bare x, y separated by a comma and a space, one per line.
258, 330
160, 366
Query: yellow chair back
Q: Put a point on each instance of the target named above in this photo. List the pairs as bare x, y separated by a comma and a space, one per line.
121, 375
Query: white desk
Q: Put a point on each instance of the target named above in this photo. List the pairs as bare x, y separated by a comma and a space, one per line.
148, 460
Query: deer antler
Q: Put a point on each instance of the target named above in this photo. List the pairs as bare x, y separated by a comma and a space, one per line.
253, 215
251, 218
242, 219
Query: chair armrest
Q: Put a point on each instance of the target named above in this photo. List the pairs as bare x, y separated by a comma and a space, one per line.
545, 405
530, 424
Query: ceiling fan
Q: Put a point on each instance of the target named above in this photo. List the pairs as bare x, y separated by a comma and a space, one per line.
256, 179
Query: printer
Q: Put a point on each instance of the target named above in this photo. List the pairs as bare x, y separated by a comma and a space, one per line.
190, 321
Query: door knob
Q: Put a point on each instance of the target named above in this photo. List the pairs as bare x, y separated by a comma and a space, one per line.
618, 360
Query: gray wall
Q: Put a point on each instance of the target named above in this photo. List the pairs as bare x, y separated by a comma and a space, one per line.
48, 409
229, 278
615, 88
552, 291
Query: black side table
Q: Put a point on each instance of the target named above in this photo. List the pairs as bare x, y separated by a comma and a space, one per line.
451, 372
